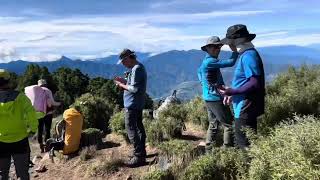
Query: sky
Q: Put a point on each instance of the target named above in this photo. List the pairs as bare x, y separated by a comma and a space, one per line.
44, 30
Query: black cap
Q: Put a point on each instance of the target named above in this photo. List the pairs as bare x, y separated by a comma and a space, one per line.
238, 34
124, 54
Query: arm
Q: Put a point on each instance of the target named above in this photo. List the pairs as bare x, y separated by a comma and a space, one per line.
252, 73
224, 63
137, 79
249, 86
51, 101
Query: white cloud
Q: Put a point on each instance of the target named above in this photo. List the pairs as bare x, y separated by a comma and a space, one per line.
98, 36
272, 34
7, 52
302, 40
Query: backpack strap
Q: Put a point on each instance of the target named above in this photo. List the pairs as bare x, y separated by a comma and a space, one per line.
7, 96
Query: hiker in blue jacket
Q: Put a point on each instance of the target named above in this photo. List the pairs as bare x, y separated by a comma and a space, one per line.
210, 77
248, 86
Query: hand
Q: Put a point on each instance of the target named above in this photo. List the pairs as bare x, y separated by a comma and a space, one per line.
120, 79
227, 100
118, 83
224, 90
233, 47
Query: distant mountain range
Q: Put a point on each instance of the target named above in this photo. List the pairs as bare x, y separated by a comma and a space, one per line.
315, 46
113, 59
166, 71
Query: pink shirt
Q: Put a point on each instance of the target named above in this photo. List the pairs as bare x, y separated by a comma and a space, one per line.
41, 98
38, 97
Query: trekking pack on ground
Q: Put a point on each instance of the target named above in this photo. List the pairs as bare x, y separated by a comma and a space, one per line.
68, 133
172, 99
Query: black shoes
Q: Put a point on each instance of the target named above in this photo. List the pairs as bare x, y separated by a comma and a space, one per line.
136, 161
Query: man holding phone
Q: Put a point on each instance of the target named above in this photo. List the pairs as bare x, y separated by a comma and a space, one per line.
211, 79
134, 101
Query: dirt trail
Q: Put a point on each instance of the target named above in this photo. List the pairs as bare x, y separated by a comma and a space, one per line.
115, 147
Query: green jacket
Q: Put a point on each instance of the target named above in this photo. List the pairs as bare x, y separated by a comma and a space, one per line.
17, 116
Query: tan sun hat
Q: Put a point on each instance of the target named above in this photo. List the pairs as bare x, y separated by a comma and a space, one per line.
213, 40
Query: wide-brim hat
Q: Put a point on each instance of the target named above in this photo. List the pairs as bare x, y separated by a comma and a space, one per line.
124, 54
213, 40
237, 34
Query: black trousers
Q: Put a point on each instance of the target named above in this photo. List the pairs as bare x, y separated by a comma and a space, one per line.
44, 123
242, 123
136, 131
20, 153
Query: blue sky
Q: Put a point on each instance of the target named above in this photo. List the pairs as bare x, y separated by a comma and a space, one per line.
46, 29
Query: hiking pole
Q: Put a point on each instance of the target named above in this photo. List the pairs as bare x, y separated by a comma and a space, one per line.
51, 154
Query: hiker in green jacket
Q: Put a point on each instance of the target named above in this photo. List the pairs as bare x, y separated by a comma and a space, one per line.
18, 119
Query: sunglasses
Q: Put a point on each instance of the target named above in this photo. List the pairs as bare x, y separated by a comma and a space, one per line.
216, 46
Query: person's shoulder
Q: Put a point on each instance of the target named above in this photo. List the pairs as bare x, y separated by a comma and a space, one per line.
250, 52
138, 67
45, 88
250, 55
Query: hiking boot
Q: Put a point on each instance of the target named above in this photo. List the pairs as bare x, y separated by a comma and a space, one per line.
136, 162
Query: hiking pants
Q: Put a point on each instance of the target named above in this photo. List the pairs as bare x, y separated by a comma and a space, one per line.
241, 124
44, 122
135, 131
20, 153
219, 114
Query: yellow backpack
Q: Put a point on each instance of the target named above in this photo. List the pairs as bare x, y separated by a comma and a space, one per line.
74, 122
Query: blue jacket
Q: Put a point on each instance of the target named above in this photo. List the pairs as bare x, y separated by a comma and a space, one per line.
209, 74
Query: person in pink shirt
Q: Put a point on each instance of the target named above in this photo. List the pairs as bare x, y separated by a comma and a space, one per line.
48, 103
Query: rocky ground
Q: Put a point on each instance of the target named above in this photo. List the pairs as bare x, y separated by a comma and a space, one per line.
115, 149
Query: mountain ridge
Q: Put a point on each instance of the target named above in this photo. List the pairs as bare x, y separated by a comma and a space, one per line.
169, 69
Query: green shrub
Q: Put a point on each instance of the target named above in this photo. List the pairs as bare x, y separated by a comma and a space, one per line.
221, 164
197, 112
158, 175
176, 155
154, 132
172, 120
291, 151
96, 111
179, 149
296, 91
91, 137
202, 169
117, 123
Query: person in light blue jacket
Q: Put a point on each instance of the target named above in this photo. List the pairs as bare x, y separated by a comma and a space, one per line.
209, 75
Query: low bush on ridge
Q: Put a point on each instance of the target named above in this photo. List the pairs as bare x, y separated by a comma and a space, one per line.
291, 151
197, 112
293, 92
96, 111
